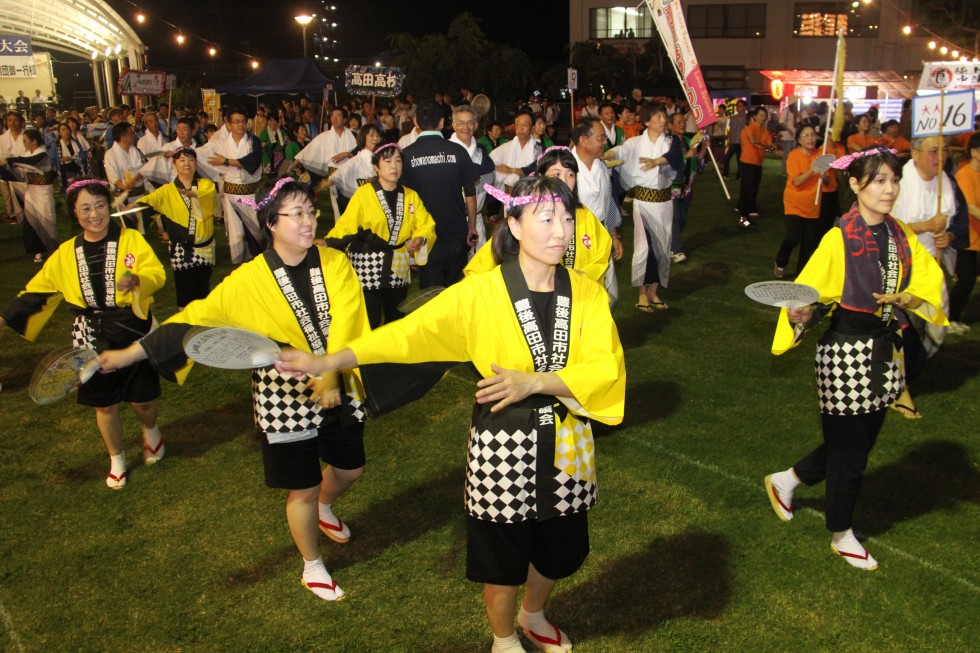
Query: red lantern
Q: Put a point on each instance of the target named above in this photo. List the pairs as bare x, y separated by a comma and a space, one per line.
776, 87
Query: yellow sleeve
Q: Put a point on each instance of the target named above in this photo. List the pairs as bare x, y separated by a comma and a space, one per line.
823, 272
355, 215
596, 369
51, 280
926, 282
424, 226
145, 264
592, 261
158, 199
482, 261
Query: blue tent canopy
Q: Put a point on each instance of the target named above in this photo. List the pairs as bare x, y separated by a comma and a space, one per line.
280, 76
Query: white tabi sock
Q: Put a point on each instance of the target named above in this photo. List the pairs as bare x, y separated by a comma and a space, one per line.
317, 579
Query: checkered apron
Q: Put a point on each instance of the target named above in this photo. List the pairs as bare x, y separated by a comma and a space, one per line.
282, 404
379, 264
532, 460
186, 254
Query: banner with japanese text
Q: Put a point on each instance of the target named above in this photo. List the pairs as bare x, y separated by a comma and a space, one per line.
16, 56
372, 80
668, 16
949, 75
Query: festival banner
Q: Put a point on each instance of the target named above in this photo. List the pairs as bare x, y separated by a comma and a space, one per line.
16, 56
141, 82
371, 80
211, 102
668, 15
955, 110
949, 75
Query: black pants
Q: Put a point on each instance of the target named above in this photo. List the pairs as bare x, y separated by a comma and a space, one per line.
384, 301
802, 231
749, 190
841, 461
829, 211
192, 283
445, 266
966, 278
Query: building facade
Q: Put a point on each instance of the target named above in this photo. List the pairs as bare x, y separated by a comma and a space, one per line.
735, 40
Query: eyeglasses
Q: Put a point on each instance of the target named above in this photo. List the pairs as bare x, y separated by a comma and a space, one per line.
599, 137
85, 209
299, 216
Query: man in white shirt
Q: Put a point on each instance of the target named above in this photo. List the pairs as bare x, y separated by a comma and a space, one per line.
12, 144
515, 155
122, 168
593, 187
464, 122
152, 140
324, 154
918, 207
788, 120
238, 157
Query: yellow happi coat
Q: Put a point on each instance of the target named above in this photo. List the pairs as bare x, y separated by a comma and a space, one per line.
593, 245
475, 320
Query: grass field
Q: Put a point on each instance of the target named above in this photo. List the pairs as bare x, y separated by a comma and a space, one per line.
687, 555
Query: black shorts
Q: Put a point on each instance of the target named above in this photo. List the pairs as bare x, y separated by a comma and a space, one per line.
499, 554
137, 384
296, 465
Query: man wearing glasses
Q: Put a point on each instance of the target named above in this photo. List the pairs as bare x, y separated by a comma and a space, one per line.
238, 158
464, 122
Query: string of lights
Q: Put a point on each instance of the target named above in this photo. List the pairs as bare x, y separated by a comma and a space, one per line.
939, 43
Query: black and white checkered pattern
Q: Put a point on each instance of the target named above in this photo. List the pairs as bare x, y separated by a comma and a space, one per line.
82, 334
500, 483
282, 404
844, 377
573, 496
183, 257
370, 268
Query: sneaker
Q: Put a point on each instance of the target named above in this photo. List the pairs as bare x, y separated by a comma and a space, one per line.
958, 328
745, 222
780, 498
853, 552
778, 272
679, 257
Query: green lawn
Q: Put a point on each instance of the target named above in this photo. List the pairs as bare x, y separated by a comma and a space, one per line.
687, 555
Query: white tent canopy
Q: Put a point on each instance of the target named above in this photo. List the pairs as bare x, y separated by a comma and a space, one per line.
87, 28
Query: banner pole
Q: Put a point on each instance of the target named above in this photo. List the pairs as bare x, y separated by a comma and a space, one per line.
831, 110
940, 175
680, 80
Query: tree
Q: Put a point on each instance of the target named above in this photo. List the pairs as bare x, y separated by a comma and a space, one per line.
956, 20
463, 57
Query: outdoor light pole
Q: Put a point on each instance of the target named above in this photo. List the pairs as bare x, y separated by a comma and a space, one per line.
304, 20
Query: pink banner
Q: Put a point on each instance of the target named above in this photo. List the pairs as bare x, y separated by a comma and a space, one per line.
669, 19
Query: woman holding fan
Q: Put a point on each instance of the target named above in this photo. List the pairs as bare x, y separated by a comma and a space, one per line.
108, 276
870, 272
551, 362
307, 297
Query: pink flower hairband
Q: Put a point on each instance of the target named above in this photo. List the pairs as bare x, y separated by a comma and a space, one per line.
846, 160
386, 146
553, 148
244, 201
510, 201
85, 182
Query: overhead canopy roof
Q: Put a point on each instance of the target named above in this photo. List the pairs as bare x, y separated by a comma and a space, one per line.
885, 80
280, 76
77, 27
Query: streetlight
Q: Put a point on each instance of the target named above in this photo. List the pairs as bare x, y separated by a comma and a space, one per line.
304, 20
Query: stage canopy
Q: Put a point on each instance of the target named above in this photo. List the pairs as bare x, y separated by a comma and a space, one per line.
280, 76
79, 27
886, 81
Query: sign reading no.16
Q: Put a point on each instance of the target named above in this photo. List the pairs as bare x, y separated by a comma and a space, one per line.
956, 111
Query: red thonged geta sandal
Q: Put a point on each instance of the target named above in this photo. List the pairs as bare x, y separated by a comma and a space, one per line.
338, 532
326, 591
116, 482
152, 456
559, 643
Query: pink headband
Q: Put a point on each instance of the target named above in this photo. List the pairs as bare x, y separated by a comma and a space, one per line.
846, 160
85, 182
553, 148
510, 202
386, 146
244, 201
180, 151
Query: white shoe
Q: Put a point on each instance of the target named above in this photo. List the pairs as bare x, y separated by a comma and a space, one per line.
780, 498
958, 328
679, 257
853, 552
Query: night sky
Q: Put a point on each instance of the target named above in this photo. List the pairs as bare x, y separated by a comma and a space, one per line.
268, 30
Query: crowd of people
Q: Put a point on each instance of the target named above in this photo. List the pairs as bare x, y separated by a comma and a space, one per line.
416, 187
